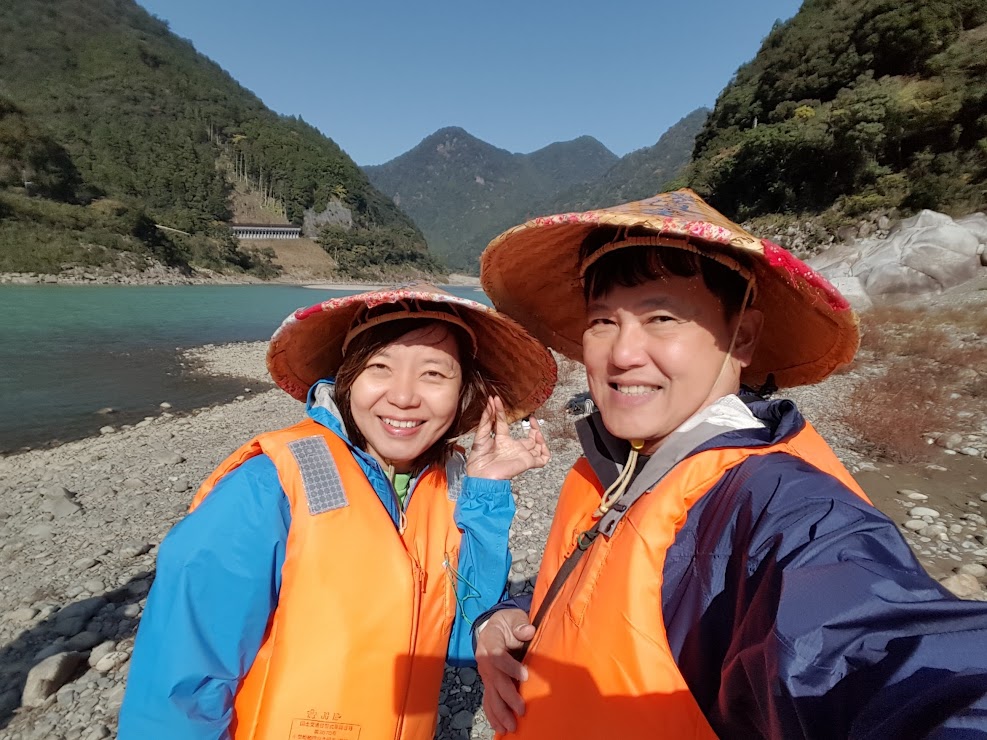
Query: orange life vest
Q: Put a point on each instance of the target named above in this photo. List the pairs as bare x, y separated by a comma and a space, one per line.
600, 665
357, 644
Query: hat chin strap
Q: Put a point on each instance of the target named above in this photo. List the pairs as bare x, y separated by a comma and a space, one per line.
617, 488
736, 332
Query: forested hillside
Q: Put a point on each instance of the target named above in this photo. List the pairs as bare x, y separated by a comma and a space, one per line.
637, 175
851, 106
140, 117
463, 191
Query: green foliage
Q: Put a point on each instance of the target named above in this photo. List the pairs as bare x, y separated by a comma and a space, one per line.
38, 235
140, 116
462, 191
638, 175
29, 155
373, 254
854, 103
44, 236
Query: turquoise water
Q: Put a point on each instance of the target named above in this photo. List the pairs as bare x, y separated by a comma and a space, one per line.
67, 351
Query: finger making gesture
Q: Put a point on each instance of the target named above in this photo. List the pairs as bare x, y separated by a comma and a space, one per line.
498, 455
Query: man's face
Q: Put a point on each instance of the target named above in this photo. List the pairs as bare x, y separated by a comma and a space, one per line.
655, 354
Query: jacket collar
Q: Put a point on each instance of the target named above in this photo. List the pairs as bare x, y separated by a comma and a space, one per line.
744, 424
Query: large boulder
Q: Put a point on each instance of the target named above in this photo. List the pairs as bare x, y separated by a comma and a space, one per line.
975, 223
926, 253
853, 290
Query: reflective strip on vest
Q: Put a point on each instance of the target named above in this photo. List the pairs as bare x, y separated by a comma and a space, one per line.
320, 478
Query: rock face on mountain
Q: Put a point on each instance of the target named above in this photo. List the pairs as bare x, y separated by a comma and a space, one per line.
927, 253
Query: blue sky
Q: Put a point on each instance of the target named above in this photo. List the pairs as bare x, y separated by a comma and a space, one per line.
378, 76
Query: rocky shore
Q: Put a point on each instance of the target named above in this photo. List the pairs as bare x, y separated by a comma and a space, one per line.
80, 525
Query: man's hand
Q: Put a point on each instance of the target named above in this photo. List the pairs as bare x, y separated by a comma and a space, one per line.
506, 630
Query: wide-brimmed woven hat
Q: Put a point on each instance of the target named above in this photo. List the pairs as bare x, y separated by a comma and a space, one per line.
533, 274
310, 344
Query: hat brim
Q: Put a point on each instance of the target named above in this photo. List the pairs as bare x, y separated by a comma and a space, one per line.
532, 273
308, 347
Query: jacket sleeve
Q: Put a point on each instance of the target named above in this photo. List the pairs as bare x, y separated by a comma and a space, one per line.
838, 631
217, 583
484, 513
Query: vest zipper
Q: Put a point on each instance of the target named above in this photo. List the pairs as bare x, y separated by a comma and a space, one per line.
415, 618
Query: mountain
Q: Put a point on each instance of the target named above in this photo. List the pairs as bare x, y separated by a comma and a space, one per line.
463, 191
150, 123
853, 106
637, 175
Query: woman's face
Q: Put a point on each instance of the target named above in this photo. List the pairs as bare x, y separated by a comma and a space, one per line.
407, 395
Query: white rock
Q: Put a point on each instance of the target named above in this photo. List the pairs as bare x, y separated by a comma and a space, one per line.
59, 502
101, 651
915, 525
962, 585
20, 616
913, 495
167, 457
48, 676
110, 661
920, 511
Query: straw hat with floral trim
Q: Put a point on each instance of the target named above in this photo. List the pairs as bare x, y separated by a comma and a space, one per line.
310, 344
533, 274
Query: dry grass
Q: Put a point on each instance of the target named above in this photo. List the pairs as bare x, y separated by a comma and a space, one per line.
894, 413
559, 427
936, 366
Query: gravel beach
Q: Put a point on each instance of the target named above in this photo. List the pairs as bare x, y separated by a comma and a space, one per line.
80, 525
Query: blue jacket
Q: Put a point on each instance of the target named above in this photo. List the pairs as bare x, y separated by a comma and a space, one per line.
795, 609
218, 579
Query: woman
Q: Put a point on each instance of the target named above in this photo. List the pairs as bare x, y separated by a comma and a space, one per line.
328, 570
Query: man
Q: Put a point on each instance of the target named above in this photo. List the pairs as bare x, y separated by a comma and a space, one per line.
712, 569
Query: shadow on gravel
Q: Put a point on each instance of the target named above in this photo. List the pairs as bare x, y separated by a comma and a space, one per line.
77, 627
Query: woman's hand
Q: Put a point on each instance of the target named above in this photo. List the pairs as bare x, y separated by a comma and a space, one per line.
499, 456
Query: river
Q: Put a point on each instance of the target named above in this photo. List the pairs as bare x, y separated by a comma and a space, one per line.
68, 351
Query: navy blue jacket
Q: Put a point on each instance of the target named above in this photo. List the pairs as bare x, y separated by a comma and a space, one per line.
795, 609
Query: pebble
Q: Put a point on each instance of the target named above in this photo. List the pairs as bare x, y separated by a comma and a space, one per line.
920, 511
913, 495
101, 651
167, 457
962, 584
973, 569
110, 661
